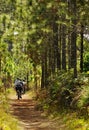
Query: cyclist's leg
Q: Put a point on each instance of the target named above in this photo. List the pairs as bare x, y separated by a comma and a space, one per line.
20, 89
18, 94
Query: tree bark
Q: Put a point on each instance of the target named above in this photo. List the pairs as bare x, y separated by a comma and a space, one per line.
81, 49
63, 47
73, 39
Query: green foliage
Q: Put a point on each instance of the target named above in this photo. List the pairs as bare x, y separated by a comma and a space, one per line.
22, 64
62, 87
84, 97
86, 62
63, 91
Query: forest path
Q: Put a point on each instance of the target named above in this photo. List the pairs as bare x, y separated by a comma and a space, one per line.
29, 118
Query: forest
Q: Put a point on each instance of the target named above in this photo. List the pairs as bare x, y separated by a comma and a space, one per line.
46, 44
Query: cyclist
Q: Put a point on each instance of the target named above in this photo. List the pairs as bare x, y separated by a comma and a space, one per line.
19, 86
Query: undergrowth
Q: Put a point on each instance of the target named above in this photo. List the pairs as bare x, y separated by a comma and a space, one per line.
7, 122
74, 123
69, 121
66, 93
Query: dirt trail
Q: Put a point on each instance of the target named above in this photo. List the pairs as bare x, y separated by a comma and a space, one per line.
30, 118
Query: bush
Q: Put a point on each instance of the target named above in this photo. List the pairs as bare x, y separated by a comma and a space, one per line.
86, 62
62, 88
84, 97
64, 91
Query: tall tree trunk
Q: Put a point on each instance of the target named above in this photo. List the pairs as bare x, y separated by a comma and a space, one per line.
69, 49
73, 39
43, 74
81, 49
53, 47
56, 46
59, 48
35, 77
55, 43
46, 67
69, 38
50, 57
63, 47
63, 41
57, 59
43, 67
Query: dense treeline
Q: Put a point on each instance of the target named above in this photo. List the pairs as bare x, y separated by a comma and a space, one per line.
44, 42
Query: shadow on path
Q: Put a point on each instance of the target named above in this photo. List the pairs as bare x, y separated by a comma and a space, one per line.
30, 119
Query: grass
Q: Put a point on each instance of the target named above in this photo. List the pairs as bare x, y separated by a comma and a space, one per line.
7, 122
75, 123
70, 121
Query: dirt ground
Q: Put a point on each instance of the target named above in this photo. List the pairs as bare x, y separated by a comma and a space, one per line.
29, 118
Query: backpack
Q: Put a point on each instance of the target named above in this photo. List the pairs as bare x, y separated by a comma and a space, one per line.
18, 83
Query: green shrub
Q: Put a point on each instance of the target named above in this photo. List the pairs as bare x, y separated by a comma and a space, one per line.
84, 97
62, 88
86, 62
64, 91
